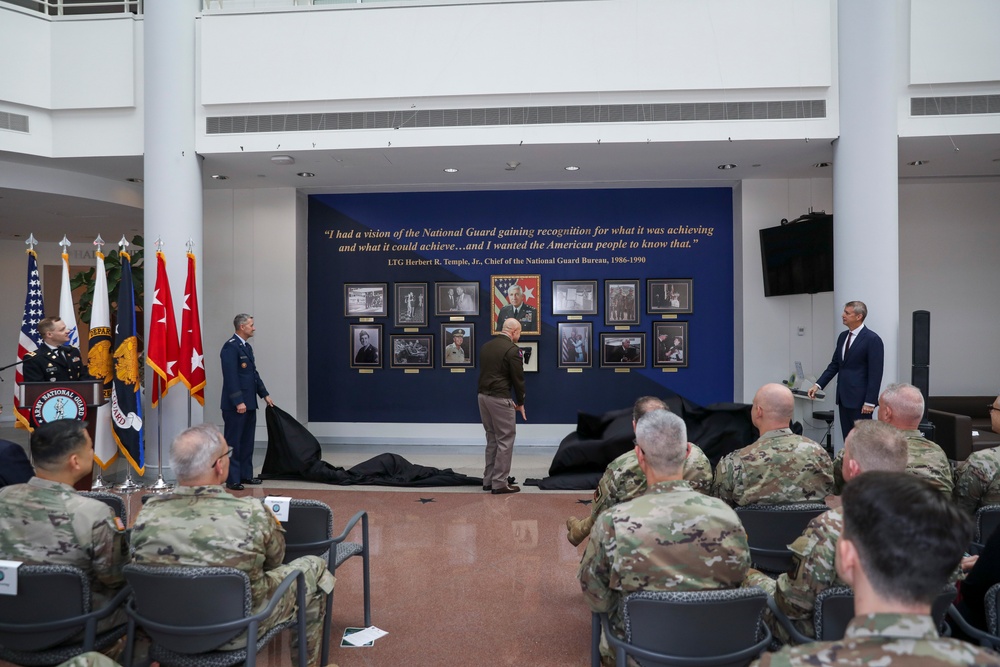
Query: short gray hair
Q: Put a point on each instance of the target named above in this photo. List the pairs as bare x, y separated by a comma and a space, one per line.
515, 288
193, 451
905, 400
858, 307
662, 437
240, 320
646, 404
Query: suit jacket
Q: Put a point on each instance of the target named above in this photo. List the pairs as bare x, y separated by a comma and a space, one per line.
528, 317
63, 364
859, 376
240, 381
14, 465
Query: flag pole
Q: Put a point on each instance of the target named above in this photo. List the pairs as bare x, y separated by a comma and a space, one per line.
190, 248
98, 484
160, 484
129, 485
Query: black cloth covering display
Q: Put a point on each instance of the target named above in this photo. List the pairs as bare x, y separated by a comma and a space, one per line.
583, 455
294, 453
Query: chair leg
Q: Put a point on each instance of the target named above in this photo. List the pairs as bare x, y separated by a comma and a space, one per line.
367, 570
326, 630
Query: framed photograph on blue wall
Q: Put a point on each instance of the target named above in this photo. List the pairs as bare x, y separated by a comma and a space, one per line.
458, 342
410, 305
670, 342
576, 340
366, 346
412, 351
365, 300
574, 297
621, 302
626, 350
669, 295
460, 298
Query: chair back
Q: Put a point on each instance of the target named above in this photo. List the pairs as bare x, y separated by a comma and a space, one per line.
987, 521
835, 608
174, 604
114, 501
682, 627
771, 528
309, 529
45, 594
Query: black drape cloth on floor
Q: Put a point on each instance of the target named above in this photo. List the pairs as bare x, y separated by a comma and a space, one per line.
599, 439
294, 453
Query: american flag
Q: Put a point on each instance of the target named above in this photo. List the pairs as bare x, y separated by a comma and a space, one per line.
502, 284
29, 340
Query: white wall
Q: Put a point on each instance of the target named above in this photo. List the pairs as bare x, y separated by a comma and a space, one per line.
254, 262
525, 48
949, 265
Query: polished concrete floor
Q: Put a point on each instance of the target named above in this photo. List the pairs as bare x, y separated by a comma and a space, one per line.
459, 576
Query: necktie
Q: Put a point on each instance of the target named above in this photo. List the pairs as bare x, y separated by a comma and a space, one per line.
847, 346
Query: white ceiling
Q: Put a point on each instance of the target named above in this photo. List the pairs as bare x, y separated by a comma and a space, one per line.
50, 216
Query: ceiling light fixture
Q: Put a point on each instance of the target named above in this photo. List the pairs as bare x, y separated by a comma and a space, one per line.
305, 174
220, 177
726, 166
450, 170
134, 180
918, 163
572, 167
823, 165
512, 165
282, 159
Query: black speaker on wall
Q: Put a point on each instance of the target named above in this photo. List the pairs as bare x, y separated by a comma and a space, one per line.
920, 375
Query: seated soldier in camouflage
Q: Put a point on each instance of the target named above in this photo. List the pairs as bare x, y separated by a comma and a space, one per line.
669, 538
780, 467
623, 479
902, 405
901, 540
46, 522
870, 445
202, 525
977, 478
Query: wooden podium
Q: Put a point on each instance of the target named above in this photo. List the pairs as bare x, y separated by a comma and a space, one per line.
49, 401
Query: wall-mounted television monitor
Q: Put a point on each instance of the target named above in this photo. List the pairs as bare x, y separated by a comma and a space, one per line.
798, 256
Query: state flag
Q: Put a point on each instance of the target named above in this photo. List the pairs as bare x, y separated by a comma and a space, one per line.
126, 392
191, 362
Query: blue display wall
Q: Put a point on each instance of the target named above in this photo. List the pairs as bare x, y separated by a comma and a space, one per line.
634, 234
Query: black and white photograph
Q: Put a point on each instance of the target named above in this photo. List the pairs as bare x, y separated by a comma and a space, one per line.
412, 351
410, 305
671, 344
365, 300
623, 350
366, 346
575, 344
456, 299
621, 302
458, 342
574, 297
529, 355
669, 295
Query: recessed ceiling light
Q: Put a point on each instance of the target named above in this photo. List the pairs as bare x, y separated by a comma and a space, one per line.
726, 166
305, 174
220, 177
996, 159
134, 180
823, 165
572, 167
755, 165
282, 159
917, 163
450, 170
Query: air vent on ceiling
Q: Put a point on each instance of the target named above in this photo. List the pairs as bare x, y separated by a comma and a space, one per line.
13, 121
960, 105
558, 115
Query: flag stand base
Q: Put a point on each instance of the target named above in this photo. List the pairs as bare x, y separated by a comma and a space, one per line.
160, 485
98, 484
129, 485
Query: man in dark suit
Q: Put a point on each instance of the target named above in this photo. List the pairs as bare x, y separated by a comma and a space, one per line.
518, 310
54, 360
241, 385
858, 362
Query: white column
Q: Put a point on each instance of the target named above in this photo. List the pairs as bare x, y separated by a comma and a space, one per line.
865, 171
173, 190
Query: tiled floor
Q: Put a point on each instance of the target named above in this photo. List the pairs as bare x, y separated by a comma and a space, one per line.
459, 576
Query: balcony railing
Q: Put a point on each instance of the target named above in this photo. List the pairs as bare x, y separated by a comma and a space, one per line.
79, 7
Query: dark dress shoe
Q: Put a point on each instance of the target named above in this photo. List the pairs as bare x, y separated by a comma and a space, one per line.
234, 487
506, 489
255, 481
486, 487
